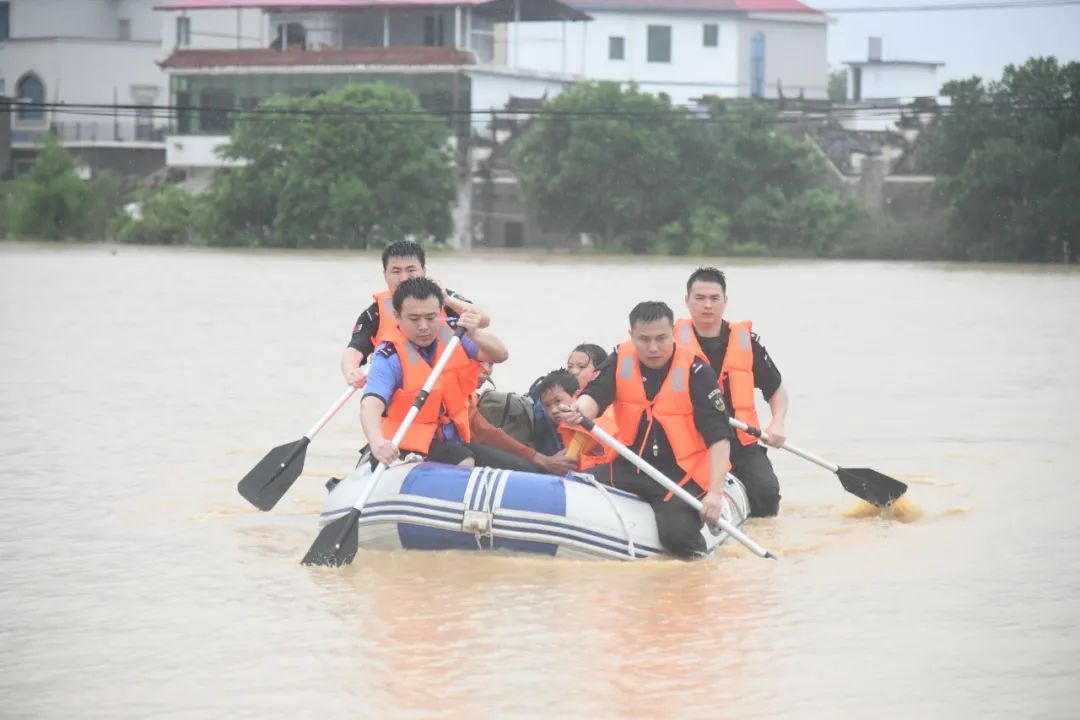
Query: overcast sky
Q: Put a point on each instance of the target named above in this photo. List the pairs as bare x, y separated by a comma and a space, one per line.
969, 42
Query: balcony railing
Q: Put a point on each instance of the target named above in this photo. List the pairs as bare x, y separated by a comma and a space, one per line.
92, 131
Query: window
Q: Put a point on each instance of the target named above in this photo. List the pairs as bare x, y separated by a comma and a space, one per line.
30, 89
659, 44
183, 31
757, 65
144, 123
712, 35
5, 20
434, 30
616, 48
123, 29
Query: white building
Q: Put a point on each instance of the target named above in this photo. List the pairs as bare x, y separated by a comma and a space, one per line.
686, 48
879, 88
449, 52
97, 53
878, 79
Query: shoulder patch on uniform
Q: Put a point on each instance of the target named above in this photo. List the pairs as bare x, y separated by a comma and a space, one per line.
386, 350
754, 336
716, 397
697, 365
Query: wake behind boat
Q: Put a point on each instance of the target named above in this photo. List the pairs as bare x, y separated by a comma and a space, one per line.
431, 506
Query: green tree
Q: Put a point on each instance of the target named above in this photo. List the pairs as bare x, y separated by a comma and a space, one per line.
1006, 157
52, 202
165, 216
609, 162
838, 85
354, 167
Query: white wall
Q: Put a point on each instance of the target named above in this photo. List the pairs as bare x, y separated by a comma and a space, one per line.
885, 81
195, 151
795, 55
82, 18
216, 29
493, 88
85, 71
694, 70
795, 50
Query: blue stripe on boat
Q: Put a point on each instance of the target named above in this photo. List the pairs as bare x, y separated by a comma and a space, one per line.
500, 521
422, 537
535, 493
445, 482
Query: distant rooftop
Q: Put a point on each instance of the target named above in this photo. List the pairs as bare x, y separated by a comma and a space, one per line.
499, 10
864, 63
696, 6
266, 57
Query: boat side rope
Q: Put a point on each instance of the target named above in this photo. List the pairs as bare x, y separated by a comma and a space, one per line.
615, 508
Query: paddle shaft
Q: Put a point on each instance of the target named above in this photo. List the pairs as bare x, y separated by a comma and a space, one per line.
762, 435
668, 483
418, 403
319, 425
321, 422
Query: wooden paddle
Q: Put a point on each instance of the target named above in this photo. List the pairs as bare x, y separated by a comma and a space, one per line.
268, 481
870, 485
671, 485
338, 542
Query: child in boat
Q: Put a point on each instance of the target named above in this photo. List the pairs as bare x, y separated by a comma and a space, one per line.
557, 390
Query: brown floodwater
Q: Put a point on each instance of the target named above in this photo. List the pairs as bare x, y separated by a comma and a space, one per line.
137, 385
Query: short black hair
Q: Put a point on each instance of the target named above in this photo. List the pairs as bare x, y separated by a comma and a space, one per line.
705, 274
556, 379
596, 353
418, 288
650, 311
404, 249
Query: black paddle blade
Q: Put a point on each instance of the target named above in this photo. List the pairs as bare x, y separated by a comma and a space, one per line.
337, 544
274, 475
870, 485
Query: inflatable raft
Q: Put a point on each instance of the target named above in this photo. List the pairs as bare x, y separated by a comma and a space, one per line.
429, 506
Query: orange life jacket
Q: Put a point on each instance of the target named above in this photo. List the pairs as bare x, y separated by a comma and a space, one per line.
737, 371
388, 328
449, 398
671, 408
580, 443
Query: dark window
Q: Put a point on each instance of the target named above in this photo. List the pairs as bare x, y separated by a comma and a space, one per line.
123, 29
183, 31
434, 31
856, 93
5, 20
214, 107
616, 47
659, 44
712, 35
30, 89
514, 234
757, 65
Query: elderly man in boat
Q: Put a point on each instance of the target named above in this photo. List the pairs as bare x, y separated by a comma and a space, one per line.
670, 410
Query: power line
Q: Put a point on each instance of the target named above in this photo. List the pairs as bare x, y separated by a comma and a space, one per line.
945, 7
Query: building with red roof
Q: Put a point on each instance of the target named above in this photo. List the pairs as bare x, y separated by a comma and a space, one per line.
690, 48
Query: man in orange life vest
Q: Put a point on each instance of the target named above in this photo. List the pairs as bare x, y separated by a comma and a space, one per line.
401, 260
742, 364
401, 366
670, 411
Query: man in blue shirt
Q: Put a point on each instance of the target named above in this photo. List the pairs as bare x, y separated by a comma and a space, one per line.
399, 368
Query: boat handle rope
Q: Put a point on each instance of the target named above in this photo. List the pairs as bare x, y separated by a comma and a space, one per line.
622, 521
